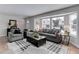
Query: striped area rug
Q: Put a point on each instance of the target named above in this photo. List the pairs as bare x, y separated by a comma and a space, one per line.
27, 48
53, 47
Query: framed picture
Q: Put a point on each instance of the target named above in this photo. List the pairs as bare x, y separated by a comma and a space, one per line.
12, 23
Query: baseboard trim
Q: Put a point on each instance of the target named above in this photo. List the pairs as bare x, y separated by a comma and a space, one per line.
2, 35
75, 44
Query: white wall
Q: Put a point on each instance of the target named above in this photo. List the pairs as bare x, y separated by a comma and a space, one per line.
4, 19
30, 25
74, 41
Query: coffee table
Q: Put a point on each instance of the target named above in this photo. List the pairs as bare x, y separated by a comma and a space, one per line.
41, 40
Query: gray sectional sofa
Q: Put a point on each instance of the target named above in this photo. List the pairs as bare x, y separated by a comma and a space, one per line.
52, 35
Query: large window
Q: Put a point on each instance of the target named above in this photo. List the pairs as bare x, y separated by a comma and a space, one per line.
46, 23
65, 22
73, 23
58, 22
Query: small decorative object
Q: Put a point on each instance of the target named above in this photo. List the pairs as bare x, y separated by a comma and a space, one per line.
36, 35
66, 32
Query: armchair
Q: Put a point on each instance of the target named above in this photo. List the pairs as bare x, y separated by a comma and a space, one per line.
14, 35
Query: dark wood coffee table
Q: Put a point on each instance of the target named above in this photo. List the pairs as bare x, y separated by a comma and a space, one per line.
37, 41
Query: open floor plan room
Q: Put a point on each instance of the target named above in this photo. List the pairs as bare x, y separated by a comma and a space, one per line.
39, 29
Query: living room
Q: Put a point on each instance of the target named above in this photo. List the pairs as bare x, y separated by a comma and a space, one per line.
39, 29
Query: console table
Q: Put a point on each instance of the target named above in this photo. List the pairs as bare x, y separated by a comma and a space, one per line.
66, 38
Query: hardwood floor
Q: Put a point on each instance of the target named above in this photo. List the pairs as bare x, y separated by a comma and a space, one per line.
73, 49
3, 44
4, 47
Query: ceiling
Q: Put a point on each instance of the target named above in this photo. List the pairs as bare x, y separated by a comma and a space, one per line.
26, 10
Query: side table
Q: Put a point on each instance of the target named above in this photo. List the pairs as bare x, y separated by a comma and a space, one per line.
66, 38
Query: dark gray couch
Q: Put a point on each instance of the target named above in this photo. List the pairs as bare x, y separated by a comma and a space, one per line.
52, 35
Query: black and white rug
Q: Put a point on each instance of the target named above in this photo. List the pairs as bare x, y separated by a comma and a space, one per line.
23, 47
